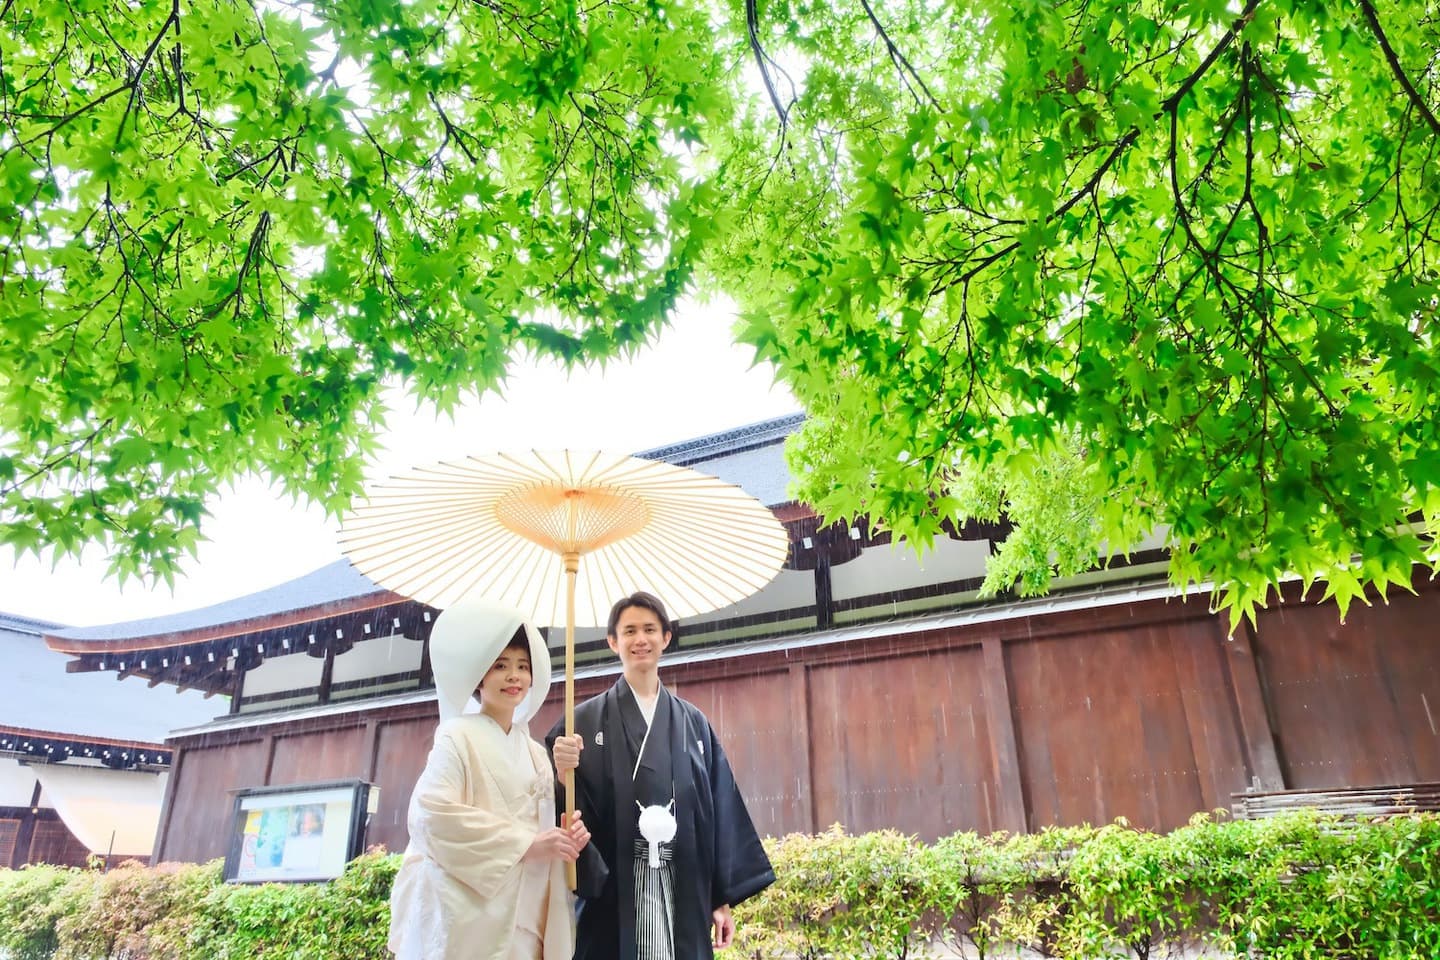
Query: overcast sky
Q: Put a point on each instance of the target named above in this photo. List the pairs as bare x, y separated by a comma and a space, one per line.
693, 381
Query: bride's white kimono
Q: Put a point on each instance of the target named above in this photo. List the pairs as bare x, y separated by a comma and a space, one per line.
463, 892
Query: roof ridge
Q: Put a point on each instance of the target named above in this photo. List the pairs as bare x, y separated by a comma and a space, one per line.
26, 625
758, 434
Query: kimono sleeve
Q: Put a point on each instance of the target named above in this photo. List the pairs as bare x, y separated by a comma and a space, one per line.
742, 868
478, 847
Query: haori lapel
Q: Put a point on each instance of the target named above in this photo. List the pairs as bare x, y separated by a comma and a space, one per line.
620, 759
688, 816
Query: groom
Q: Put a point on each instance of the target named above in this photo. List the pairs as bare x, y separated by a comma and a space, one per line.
672, 847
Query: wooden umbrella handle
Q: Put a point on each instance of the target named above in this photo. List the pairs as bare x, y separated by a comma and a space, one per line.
572, 567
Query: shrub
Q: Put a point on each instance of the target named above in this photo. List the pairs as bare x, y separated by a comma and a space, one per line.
1297, 886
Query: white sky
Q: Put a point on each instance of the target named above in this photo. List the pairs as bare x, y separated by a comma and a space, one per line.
694, 381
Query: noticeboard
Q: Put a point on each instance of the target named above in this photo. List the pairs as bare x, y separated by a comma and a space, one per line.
298, 832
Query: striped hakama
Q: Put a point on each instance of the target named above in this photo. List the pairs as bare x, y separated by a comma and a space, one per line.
654, 903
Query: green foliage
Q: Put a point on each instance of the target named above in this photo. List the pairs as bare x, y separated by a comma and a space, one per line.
1181, 255
1302, 885
866, 896
1115, 270
1297, 886
135, 912
32, 902
995, 889
347, 918
229, 224
185, 912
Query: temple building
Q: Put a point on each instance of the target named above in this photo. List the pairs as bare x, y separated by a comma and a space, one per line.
863, 686
83, 762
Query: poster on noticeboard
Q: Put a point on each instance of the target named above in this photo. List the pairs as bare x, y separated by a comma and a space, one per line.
298, 833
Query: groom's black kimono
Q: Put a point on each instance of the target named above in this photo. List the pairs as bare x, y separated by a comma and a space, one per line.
717, 854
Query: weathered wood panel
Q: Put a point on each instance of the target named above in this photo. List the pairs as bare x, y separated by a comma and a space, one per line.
39, 836
753, 719
401, 751
336, 754
53, 842
903, 741
1211, 716
1103, 730
1354, 703
197, 825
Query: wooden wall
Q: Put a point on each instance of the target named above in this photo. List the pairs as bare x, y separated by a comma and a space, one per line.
1146, 711
38, 836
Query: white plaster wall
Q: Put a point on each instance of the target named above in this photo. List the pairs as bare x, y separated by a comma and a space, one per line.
17, 784
887, 567
376, 658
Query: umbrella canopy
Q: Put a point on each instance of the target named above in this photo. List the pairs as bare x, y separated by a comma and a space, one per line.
500, 527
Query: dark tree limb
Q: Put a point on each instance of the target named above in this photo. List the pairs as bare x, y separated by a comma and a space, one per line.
765, 63
902, 65
1421, 106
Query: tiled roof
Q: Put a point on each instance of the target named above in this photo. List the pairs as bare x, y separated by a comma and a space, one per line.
751, 457
334, 582
36, 693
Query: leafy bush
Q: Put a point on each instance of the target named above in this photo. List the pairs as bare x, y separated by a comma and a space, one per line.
134, 912
32, 902
1297, 886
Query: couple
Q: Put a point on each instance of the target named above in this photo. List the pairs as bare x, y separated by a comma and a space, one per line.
672, 847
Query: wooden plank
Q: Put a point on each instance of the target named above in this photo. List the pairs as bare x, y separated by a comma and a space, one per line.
1387, 800
1262, 759
1209, 710
402, 747
372, 742
801, 758
167, 806
314, 757
1411, 673
754, 721
1004, 751
327, 674
204, 797
24, 836
902, 744
9, 832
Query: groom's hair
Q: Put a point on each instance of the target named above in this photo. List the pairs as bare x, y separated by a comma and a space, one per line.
639, 599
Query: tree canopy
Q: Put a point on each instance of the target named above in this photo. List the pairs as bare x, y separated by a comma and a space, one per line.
1110, 269
228, 224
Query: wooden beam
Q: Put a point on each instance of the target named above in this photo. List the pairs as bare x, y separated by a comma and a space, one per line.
327, 674
200, 679
803, 760
1004, 749
270, 741
1256, 731
232, 630
427, 672
237, 691
25, 833
372, 748
167, 808
824, 594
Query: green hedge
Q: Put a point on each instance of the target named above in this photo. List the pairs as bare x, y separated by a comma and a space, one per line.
1293, 887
